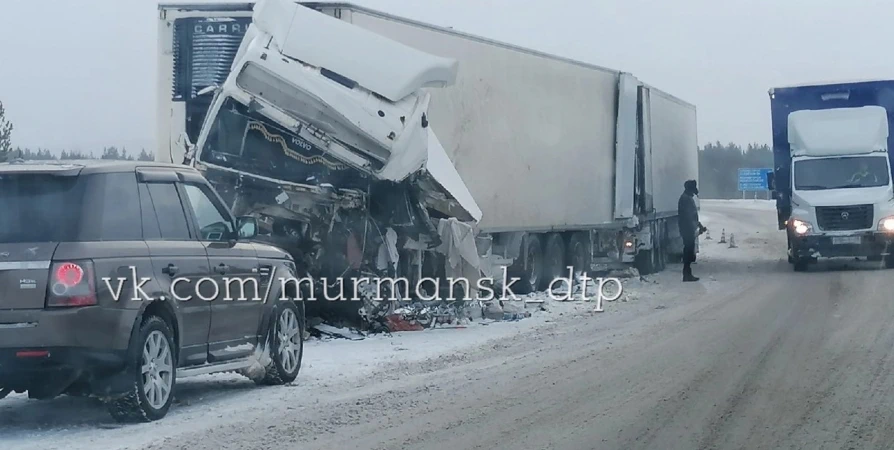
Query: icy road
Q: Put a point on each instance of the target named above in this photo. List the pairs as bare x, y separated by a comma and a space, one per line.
754, 356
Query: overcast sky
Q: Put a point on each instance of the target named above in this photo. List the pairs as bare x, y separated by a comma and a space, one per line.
81, 74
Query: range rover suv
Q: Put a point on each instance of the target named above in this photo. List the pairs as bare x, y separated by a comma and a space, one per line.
119, 277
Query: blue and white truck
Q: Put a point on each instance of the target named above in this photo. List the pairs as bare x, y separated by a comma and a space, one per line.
832, 175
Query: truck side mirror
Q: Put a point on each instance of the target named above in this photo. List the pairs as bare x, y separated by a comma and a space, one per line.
208, 90
189, 149
771, 181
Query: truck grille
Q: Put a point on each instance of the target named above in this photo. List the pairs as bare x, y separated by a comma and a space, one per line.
842, 218
204, 49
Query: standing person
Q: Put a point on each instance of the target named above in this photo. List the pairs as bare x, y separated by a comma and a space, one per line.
690, 227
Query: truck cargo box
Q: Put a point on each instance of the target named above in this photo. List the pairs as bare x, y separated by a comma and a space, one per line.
533, 135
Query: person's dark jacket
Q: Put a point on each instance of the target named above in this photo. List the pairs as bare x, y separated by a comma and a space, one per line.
687, 212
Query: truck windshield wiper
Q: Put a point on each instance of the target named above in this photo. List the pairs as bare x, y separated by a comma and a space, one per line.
849, 186
811, 187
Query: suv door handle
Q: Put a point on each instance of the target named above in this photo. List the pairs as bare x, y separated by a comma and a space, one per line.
170, 270
222, 268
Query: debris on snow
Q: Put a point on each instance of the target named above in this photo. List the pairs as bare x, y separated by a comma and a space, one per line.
335, 332
261, 359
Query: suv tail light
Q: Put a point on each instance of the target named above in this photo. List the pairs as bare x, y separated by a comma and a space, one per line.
71, 284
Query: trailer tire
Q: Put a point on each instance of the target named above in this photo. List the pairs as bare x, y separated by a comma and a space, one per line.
644, 262
554, 260
529, 265
660, 249
579, 252
648, 262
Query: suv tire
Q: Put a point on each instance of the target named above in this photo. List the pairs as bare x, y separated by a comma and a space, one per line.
154, 350
286, 338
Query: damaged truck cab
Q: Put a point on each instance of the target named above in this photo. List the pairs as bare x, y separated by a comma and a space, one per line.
331, 156
378, 146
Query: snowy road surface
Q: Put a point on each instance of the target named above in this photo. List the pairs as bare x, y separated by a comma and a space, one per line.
754, 356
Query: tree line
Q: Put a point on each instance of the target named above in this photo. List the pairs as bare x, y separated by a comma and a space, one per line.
7, 153
718, 163
106, 153
718, 168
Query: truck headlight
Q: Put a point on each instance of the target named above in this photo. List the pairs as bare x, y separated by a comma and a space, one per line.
800, 227
886, 225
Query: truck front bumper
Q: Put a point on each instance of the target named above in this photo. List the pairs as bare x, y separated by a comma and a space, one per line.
865, 244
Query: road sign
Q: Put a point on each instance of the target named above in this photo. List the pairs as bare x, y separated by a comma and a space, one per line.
753, 179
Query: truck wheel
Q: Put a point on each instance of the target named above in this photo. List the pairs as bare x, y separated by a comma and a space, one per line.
286, 340
801, 264
529, 265
154, 368
644, 262
579, 252
789, 251
554, 260
659, 250
889, 262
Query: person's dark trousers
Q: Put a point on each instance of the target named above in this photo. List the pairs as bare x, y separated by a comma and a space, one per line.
688, 259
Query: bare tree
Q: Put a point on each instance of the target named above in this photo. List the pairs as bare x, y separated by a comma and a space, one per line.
5, 135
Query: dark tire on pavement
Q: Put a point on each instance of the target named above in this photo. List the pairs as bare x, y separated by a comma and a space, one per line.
643, 261
286, 340
579, 252
660, 249
801, 264
153, 364
529, 266
554, 260
889, 262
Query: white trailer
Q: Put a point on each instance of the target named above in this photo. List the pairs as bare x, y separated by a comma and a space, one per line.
570, 163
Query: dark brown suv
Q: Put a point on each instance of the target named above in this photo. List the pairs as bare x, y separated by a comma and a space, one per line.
118, 277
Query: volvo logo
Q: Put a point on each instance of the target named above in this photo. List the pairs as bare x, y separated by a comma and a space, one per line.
845, 215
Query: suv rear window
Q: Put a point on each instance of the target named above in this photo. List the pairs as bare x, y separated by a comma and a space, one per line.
39, 207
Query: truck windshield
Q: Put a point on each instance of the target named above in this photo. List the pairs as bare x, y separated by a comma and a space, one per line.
841, 173
38, 207
253, 144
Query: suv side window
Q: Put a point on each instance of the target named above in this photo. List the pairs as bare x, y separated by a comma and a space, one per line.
112, 208
151, 229
169, 212
213, 224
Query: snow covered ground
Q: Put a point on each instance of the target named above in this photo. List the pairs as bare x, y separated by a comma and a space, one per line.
332, 366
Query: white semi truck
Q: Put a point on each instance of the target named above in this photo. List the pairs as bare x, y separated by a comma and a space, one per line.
557, 162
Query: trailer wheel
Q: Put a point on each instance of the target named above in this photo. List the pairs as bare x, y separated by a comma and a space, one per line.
529, 265
644, 262
658, 248
579, 252
554, 260
651, 261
